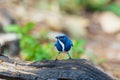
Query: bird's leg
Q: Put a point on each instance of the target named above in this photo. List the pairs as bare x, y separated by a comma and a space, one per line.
57, 56
69, 56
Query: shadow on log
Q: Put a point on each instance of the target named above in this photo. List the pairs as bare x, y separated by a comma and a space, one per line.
73, 69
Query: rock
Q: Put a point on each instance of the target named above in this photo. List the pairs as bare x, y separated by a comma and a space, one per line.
109, 22
75, 25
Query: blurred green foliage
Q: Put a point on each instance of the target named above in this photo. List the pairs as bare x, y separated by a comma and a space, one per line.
78, 48
72, 6
69, 6
94, 5
76, 6
31, 49
114, 8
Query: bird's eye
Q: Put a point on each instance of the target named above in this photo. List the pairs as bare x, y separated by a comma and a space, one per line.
62, 37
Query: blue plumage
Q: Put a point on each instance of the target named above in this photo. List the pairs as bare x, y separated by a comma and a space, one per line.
63, 43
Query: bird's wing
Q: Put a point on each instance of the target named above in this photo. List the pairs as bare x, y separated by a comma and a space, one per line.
70, 42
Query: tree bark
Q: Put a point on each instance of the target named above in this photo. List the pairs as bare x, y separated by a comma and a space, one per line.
72, 69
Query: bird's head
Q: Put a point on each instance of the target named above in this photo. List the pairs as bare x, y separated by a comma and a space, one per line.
61, 37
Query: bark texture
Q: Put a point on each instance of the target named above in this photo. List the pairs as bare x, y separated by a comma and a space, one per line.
72, 69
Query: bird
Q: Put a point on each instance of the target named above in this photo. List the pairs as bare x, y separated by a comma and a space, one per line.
63, 44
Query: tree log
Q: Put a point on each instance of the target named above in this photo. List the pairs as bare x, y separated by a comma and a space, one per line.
72, 69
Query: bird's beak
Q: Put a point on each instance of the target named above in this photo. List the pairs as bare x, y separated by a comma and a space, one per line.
56, 37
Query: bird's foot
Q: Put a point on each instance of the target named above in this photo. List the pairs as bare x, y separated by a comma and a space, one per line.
56, 59
70, 58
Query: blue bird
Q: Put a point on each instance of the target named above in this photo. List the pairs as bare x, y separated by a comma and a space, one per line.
63, 44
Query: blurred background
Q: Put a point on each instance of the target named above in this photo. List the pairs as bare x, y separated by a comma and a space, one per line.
28, 28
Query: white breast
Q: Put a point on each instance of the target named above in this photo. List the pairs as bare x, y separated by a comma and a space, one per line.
62, 44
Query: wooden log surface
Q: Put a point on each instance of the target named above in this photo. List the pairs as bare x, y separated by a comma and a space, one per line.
72, 69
